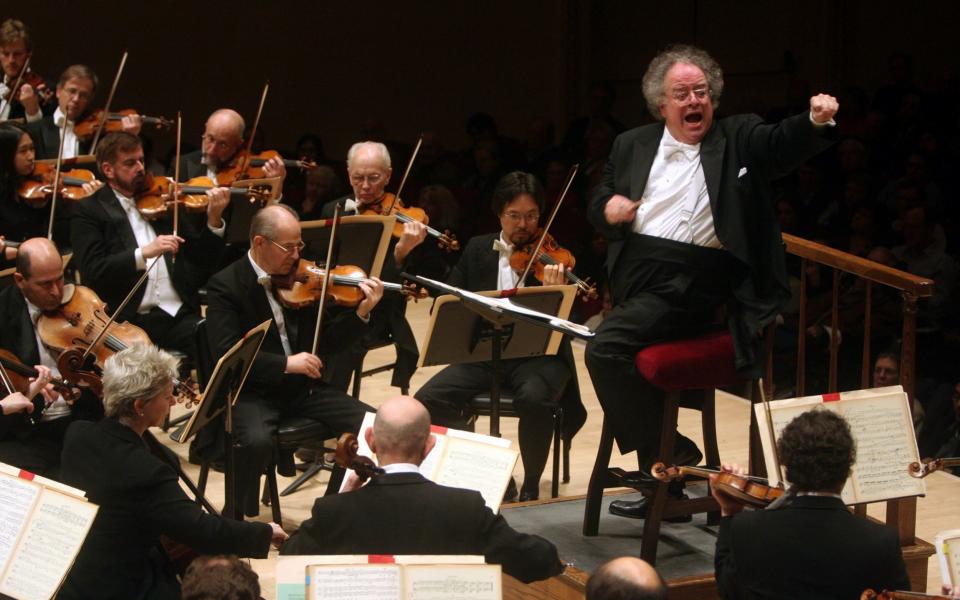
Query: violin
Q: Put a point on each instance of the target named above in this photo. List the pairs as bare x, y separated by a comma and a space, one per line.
921, 470
39, 85
551, 253
869, 594
82, 337
252, 167
15, 377
752, 491
389, 204
347, 456
86, 127
156, 199
303, 285
37, 187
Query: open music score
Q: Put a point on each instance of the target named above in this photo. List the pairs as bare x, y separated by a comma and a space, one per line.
947, 544
462, 459
882, 428
42, 527
359, 577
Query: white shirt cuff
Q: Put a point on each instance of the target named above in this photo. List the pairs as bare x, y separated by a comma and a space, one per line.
830, 123
34, 118
138, 257
218, 231
365, 319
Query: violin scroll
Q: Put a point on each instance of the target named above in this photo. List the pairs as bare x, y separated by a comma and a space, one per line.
347, 456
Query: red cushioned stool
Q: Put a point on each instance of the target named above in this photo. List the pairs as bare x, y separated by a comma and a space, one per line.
688, 371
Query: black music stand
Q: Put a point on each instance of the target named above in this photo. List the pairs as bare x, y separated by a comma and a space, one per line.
489, 326
221, 393
362, 241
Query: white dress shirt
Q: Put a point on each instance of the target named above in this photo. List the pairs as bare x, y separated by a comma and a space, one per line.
400, 468
59, 408
264, 279
158, 290
506, 277
71, 145
675, 204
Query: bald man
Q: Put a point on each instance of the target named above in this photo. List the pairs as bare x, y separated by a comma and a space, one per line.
401, 512
285, 379
39, 287
626, 578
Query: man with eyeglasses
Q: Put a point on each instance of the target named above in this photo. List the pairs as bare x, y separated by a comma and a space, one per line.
537, 383
75, 90
369, 169
114, 244
688, 212
285, 379
30, 102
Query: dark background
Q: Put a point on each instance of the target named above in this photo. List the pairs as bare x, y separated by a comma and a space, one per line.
417, 65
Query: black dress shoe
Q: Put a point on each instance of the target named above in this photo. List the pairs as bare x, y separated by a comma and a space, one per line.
637, 509
528, 495
511, 494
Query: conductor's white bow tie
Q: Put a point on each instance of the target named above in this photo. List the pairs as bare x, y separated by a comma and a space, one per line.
672, 147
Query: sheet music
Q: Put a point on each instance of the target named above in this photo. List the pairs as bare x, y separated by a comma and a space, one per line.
452, 582
479, 467
17, 498
49, 545
359, 582
885, 446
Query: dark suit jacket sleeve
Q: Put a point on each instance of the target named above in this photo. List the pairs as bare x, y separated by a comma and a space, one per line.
605, 190
783, 146
523, 556
341, 330
724, 566
306, 539
100, 267
187, 523
224, 328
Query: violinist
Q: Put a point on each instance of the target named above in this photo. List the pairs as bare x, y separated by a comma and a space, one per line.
285, 379
75, 90
369, 170
538, 383
223, 139
402, 512
139, 496
34, 98
38, 287
812, 546
113, 244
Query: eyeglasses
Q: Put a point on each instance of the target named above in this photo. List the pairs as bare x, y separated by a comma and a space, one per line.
219, 144
288, 248
681, 94
517, 217
372, 179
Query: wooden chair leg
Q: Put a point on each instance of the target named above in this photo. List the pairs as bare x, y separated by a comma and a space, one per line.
598, 478
708, 423
557, 425
657, 502
566, 460
202, 481
274, 495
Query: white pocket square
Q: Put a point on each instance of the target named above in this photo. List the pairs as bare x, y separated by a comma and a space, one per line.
743, 171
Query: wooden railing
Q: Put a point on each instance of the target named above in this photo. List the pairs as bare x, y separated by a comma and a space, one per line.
901, 514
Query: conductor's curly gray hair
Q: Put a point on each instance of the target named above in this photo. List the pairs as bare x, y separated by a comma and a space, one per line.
654, 90
139, 372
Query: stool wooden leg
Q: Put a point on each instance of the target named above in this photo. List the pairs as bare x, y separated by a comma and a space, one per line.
566, 460
708, 423
557, 427
598, 479
657, 502
274, 495
202, 481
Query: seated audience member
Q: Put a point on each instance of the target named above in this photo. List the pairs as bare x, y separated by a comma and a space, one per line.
401, 512
626, 578
220, 578
138, 493
811, 546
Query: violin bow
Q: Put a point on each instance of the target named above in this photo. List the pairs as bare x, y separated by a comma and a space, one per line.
176, 184
326, 278
406, 173
16, 86
556, 208
120, 308
106, 108
56, 178
253, 132
773, 438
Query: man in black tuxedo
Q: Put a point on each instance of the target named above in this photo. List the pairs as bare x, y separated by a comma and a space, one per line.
819, 548
113, 243
34, 445
285, 377
688, 213
33, 100
401, 512
369, 168
538, 383
75, 89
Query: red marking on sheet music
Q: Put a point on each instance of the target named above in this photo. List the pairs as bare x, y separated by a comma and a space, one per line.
381, 559
26, 475
835, 397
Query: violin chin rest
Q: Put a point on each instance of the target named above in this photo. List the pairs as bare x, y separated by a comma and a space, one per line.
68, 291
